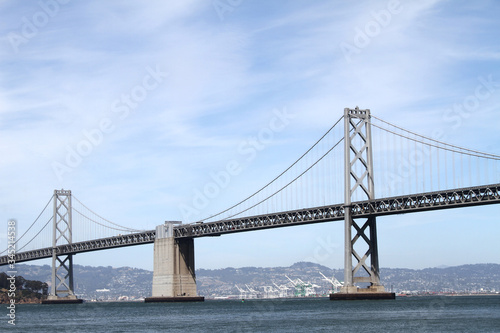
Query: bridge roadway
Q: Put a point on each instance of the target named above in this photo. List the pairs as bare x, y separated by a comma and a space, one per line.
456, 198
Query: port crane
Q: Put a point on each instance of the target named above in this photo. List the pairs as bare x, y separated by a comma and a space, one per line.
283, 290
335, 283
301, 288
243, 292
253, 293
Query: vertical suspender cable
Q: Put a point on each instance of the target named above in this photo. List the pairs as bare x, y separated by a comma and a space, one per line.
391, 165
487, 172
470, 174
415, 166
461, 180
453, 168
438, 171
408, 175
446, 169
308, 180
430, 168
408, 169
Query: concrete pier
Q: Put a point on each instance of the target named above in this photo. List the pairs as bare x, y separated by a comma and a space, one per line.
174, 277
354, 293
70, 299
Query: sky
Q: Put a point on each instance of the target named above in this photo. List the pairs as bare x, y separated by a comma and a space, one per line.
133, 105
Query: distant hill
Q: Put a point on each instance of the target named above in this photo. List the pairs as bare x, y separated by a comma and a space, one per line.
466, 278
91, 282
220, 282
107, 282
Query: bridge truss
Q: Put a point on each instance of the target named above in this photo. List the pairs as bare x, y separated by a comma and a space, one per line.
457, 198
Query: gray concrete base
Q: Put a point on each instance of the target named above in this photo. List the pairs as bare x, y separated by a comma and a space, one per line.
355, 293
361, 296
62, 300
174, 299
174, 274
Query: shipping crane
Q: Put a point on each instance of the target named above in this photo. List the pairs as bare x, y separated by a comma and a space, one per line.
283, 290
335, 283
253, 293
302, 289
243, 292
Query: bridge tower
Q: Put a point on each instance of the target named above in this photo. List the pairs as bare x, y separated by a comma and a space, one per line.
358, 178
61, 289
174, 277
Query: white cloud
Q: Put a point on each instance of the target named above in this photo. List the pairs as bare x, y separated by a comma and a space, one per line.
224, 80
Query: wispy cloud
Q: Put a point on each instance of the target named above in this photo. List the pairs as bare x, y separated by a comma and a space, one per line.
223, 79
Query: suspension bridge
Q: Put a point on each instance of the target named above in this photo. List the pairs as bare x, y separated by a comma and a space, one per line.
334, 180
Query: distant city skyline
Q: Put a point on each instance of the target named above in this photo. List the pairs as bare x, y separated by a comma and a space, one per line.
137, 106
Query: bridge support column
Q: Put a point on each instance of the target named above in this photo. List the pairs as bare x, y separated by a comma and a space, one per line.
61, 288
174, 277
358, 169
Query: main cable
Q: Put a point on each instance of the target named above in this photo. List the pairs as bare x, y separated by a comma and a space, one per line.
32, 224
281, 189
120, 226
473, 152
272, 181
106, 226
495, 157
36, 234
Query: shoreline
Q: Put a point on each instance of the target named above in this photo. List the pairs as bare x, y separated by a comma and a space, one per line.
223, 298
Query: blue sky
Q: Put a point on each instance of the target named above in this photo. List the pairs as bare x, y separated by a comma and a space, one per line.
168, 92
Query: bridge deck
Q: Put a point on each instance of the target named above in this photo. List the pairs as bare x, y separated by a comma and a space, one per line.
456, 198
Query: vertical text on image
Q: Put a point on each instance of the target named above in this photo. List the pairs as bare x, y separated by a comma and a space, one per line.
11, 273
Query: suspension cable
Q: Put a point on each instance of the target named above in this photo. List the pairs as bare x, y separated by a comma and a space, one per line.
107, 226
272, 181
120, 226
472, 152
50, 219
495, 157
281, 189
32, 224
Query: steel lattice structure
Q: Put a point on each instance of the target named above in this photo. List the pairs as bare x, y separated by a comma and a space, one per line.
358, 178
456, 198
140, 238
62, 232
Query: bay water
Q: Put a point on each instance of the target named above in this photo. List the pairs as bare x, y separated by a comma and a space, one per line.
405, 314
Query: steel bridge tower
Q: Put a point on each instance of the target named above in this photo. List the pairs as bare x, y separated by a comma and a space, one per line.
61, 290
359, 185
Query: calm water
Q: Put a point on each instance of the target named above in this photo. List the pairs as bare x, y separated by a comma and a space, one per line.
411, 314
